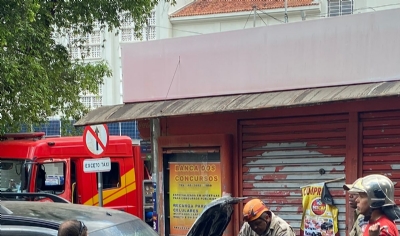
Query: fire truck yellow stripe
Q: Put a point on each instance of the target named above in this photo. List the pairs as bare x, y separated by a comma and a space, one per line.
128, 184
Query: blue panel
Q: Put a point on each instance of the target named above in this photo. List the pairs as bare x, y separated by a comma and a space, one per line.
39, 128
50, 128
113, 128
130, 129
124, 128
25, 128
53, 127
74, 131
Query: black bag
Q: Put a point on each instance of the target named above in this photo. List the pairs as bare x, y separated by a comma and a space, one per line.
326, 196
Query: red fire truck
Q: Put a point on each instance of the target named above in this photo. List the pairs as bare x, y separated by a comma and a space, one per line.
29, 162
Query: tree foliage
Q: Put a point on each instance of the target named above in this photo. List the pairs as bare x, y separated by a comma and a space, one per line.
38, 79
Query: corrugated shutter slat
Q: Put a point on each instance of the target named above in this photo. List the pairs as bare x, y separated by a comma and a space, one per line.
381, 145
281, 155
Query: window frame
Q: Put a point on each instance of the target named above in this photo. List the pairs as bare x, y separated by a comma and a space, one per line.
52, 191
89, 44
105, 173
126, 33
339, 7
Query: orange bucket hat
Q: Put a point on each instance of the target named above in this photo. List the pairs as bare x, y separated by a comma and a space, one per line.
254, 209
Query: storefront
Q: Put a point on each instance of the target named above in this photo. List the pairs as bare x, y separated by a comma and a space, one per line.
277, 151
266, 116
271, 153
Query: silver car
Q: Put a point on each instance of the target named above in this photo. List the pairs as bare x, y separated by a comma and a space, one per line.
43, 218
25, 218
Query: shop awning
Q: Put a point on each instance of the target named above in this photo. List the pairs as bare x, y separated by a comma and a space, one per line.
240, 102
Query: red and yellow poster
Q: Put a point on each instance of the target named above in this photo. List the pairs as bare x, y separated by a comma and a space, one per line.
192, 186
319, 218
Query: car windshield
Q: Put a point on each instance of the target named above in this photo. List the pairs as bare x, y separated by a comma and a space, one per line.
130, 228
13, 175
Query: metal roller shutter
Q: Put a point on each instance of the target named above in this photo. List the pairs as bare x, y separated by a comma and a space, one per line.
381, 145
281, 155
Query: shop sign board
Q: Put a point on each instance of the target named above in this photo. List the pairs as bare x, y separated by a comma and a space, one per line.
193, 185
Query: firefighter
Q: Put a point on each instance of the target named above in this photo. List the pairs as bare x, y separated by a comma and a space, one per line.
375, 201
260, 221
359, 222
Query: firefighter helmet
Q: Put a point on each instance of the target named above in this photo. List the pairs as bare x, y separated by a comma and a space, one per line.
254, 209
347, 187
379, 189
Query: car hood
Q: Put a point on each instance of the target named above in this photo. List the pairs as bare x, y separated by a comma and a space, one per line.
215, 217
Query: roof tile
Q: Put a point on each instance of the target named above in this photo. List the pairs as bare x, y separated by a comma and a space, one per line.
206, 7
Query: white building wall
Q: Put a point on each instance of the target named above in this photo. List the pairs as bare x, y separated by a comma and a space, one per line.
243, 21
164, 25
111, 91
194, 25
168, 27
378, 5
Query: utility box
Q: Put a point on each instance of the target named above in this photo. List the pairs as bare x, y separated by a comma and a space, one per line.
148, 201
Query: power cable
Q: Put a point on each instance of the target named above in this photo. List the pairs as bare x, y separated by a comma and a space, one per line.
247, 19
272, 16
193, 32
261, 18
173, 77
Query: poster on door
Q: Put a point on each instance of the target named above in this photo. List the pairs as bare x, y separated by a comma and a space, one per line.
192, 186
320, 216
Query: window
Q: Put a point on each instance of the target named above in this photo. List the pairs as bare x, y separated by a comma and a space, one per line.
50, 177
340, 7
150, 30
127, 29
111, 179
11, 175
92, 47
93, 101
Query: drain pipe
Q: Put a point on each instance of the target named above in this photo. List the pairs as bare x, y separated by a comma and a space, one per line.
155, 133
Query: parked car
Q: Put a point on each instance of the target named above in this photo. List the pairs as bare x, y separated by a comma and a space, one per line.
327, 225
312, 232
26, 218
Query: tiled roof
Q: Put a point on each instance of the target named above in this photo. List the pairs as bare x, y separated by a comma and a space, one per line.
206, 7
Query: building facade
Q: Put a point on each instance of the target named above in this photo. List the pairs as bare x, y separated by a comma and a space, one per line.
197, 17
273, 114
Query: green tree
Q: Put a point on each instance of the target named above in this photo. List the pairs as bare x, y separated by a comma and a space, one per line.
38, 79
68, 128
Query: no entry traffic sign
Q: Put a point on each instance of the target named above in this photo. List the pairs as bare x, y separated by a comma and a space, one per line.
95, 138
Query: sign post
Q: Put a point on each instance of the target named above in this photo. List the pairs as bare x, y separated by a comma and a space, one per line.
100, 188
98, 166
95, 138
